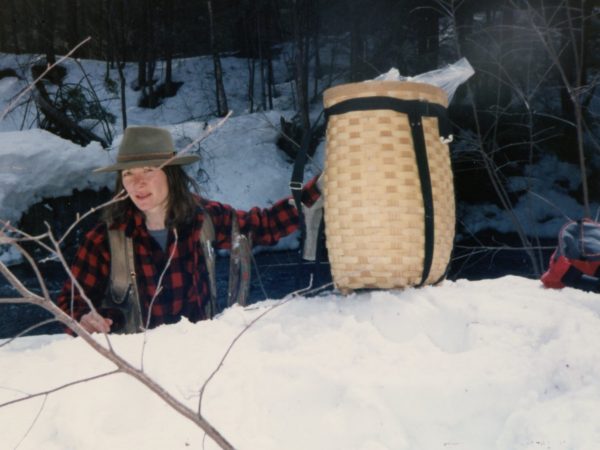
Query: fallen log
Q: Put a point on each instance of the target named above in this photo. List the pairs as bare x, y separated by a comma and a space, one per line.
64, 124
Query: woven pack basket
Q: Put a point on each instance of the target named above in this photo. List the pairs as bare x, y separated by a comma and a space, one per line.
389, 192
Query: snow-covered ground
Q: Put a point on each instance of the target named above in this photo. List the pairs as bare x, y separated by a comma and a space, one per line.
493, 364
498, 364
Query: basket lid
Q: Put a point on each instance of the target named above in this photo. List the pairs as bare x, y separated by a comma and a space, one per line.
404, 90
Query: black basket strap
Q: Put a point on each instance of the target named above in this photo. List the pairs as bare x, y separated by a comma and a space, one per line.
410, 107
416, 128
298, 178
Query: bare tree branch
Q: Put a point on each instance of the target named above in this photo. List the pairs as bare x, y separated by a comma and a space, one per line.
18, 285
117, 198
11, 106
286, 299
58, 388
27, 330
33, 422
207, 132
25, 237
158, 291
18, 300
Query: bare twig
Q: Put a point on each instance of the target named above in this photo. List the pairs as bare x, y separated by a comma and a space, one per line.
11, 106
74, 280
556, 207
58, 388
286, 299
487, 150
27, 330
258, 277
207, 132
36, 270
4, 239
117, 198
33, 422
156, 294
16, 283
574, 90
17, 301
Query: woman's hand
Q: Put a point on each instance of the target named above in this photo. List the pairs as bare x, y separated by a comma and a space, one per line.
93, 322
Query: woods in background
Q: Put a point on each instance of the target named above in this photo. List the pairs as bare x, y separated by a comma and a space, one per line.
519, 48
372, 35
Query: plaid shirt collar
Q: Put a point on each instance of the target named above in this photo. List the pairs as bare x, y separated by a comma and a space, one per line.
133, 224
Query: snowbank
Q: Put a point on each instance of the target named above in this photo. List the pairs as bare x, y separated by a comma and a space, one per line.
36, 163
491, 364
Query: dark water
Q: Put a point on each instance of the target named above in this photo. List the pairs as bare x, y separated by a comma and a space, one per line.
276, 274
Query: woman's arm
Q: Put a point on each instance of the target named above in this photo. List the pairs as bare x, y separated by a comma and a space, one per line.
265, 226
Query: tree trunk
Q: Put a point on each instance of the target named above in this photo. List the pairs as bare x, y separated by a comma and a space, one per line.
167, 8
4, 12
251, 78
316, 46
270, 76
148, 32
270, 33
569, 58
464, 22
587, 39
122, 84
143, 45
427, 39
301, 40
65, 126
222, 107
72, 17
122, 57
47, 30
261, 58
506, 45
14, 31
357, 50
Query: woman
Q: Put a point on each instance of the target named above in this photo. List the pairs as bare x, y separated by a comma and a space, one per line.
163, 220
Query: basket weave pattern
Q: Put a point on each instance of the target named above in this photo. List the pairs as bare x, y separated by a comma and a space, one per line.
373, 201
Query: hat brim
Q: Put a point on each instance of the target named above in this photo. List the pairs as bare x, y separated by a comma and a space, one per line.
178, 161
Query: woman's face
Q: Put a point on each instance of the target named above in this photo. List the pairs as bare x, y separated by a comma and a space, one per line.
148, 189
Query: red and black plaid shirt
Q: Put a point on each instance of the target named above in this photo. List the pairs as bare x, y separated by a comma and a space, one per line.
185, 283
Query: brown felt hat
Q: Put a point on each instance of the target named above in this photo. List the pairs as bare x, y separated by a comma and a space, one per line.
147, 146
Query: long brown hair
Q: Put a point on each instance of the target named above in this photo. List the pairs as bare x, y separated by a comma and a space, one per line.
181, 202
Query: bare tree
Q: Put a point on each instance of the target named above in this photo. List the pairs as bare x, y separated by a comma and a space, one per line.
120, 38
72, 6
14, 28
47, 28
427, 30
517, 51
569, 57
301, 27
168, 44
222, 107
